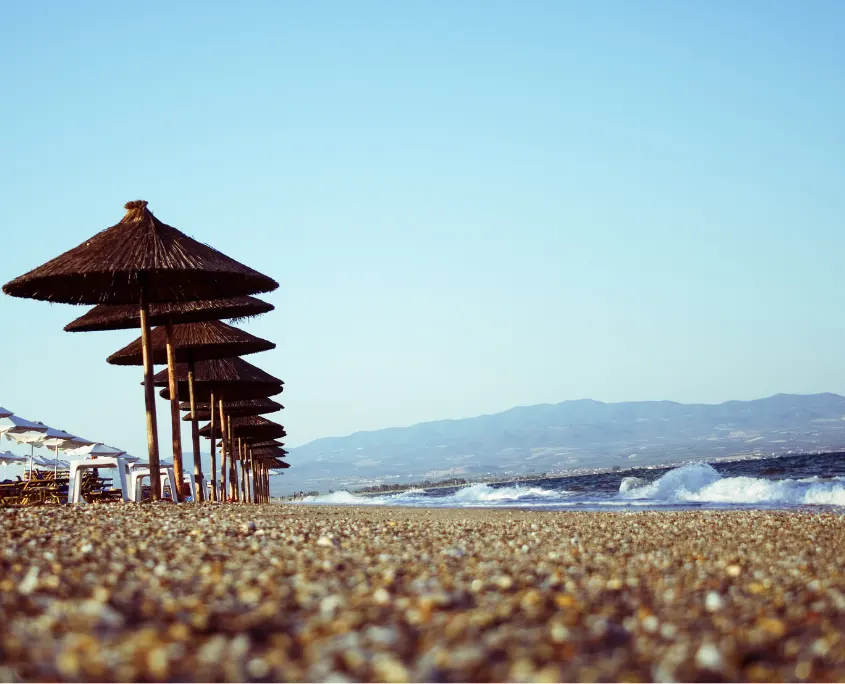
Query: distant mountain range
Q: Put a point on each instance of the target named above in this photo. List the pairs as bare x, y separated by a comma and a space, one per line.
571, 435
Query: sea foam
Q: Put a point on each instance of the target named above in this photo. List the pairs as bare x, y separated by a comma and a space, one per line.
700, 482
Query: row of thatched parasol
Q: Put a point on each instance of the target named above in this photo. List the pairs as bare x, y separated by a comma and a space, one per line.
143, 273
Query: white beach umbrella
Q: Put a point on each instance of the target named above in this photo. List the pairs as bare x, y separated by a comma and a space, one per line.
59, 439
16, 425
56, 438
7, 457
5, 413
94, 450
23, 431
146, 464
75, 442
50, 462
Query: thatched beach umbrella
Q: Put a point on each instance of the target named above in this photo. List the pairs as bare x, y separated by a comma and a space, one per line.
254, 428
137, 262
267, 443
250, 440
244, 429
250, 407
259, 458
219, 381
266, 448
189, 343
106, 317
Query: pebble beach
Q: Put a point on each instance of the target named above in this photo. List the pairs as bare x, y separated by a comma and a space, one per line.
204, 592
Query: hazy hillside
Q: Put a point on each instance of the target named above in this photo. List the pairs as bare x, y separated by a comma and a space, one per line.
566, 436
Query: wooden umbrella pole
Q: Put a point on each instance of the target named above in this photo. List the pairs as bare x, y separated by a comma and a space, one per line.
199, 495
175, 418
245, 471
149, 394
254, 478
261, 486
266, 483
223, 451
213, 450
242, 473
233, 466
242, 457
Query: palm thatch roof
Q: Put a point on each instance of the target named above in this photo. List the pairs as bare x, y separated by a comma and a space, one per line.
252, 407
267, 443
274, 463
251, 428
229, 379
268, 451
112, 266
194, 341
126, 316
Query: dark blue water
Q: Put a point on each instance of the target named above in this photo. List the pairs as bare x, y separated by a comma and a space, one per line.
783, 482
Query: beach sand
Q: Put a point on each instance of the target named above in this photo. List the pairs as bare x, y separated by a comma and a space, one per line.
292, 592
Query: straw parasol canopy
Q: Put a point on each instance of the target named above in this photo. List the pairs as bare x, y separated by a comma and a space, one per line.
194, 341
139, 261
251, 407
258, 442
188, 343
218, 381
268, 452
251, 428
229, 380
107, 317
267, 443
139, 255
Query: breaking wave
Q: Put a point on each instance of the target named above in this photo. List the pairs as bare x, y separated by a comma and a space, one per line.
473, 495
694, 485
701, 483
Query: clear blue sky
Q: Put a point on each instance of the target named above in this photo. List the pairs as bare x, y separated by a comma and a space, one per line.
469, 205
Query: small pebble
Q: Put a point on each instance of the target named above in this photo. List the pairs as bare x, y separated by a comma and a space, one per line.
347, 594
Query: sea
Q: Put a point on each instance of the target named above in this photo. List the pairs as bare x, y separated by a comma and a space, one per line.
783, 482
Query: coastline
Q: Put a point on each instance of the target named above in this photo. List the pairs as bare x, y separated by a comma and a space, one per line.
310, 593
578, 472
